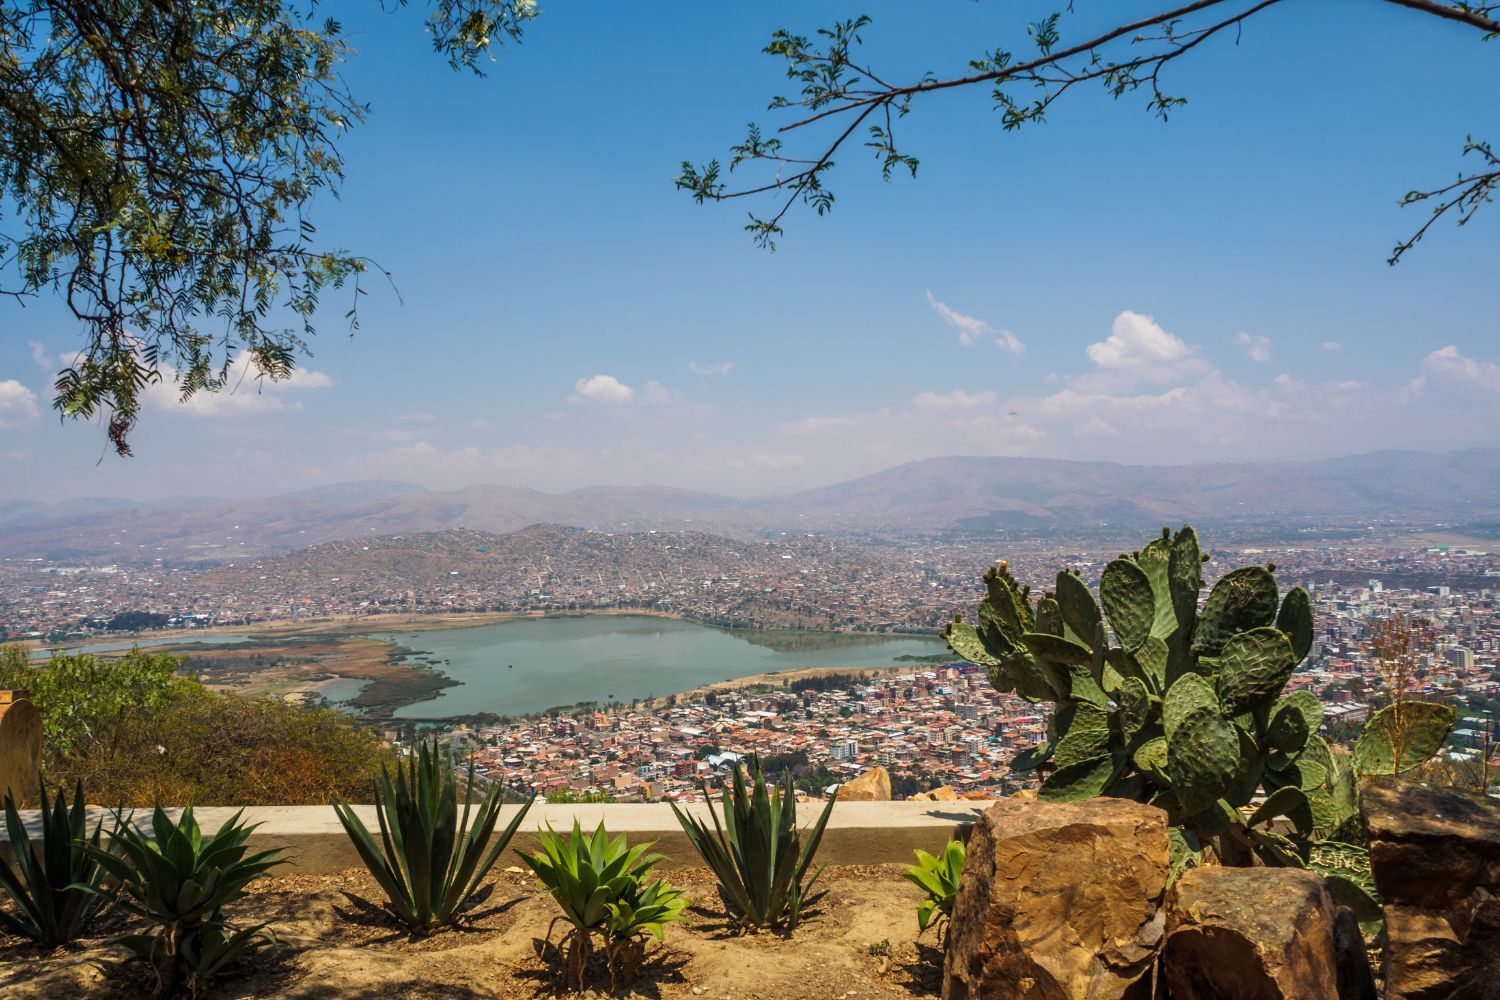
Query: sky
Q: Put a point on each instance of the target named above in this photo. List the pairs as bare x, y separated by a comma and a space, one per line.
1100, 287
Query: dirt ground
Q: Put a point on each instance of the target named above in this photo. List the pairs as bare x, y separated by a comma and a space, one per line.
860, 940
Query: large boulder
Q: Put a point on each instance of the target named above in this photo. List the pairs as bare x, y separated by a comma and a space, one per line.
1435, 856
872, 786
1058, 901
1251, 933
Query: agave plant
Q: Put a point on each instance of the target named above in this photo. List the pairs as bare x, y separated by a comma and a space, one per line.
758, 854
600, 885
179, 883
46, 883
939, 877
429, 859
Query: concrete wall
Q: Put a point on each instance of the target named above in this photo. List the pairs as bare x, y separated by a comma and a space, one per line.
858, 833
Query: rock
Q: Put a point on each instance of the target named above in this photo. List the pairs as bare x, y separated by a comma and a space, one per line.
1435, 856
20, 746
977, 797
1024, 793
942, 793
872, 786
1252, 933
1355, 978
1058, 900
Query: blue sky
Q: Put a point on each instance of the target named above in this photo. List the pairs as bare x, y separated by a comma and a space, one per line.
1212, 289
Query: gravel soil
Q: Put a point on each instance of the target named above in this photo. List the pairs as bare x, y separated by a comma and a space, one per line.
337, 941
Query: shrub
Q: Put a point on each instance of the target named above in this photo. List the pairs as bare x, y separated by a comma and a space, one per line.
1160, 701
758, 854
939, 877
429, 860
132, 731
55, 884
180, 883
600, 885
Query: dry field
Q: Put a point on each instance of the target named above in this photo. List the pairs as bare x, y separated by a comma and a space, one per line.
337, 943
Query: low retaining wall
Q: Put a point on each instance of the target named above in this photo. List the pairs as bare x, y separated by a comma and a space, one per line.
858, 833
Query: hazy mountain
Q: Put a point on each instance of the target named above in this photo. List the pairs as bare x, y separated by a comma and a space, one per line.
931, 495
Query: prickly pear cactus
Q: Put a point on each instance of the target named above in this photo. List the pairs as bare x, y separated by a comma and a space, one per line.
1161, 702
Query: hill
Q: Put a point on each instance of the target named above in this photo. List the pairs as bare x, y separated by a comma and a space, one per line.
933, 495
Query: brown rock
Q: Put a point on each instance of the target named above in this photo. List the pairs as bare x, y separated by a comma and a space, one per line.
1435, 855
20, 745
943, 793
1250, 933
1356, 979
872, 786
1024, 793
977, 797
1058, 900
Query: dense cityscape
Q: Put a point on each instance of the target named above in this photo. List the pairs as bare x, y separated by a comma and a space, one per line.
942, 726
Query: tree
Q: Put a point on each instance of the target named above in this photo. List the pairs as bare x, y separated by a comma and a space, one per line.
158, 161
841, 97
133, 730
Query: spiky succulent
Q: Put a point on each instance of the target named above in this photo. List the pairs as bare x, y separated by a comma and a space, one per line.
1160, 702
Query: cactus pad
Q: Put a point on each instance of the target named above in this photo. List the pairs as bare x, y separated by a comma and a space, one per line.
1296, 619
1243, 599
1400, 737
1076, 605
1293, 720
1125, 592
1203, 754
1254, 667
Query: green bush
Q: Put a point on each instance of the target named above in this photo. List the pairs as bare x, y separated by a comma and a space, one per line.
132, 730
179, 883
758, 854
53, 883
601, 886
429, 861
939, 877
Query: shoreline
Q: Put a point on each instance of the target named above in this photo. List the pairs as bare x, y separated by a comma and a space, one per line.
391, 685
356, 625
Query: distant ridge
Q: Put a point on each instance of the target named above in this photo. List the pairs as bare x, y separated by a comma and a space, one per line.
932, 495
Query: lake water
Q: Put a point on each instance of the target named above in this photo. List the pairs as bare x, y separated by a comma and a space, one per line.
513, 668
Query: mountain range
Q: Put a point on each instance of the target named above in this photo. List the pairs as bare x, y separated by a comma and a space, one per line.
923, 497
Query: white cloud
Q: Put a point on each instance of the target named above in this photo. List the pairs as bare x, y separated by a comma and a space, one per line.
1450, 365
1259, 348
601, 389
1331, 346
955, 400
1097, 427
41, 357
17, 405
245, 391
972, 330
656, 394
1137, 343
717, 368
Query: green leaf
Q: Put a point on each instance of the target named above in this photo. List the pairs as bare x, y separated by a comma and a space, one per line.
1294, 719
1242, 600
1187, 695
1084, 735
1202, 757
1296, 620
964, 640
1076, 605
1253, 667
1125, 592
1400, 737
1084, 780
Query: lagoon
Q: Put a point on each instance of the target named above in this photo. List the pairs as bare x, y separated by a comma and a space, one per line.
520, 667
